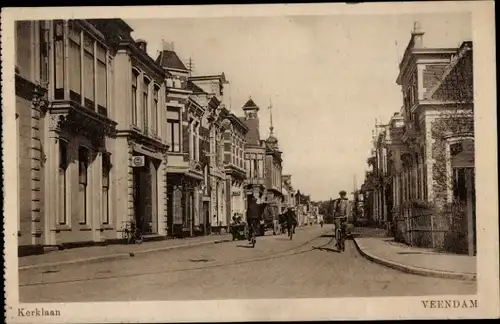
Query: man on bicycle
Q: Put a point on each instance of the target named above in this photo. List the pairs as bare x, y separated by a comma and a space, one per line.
341, 213
291, 220
254, 217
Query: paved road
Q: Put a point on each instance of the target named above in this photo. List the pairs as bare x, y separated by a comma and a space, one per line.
306, 267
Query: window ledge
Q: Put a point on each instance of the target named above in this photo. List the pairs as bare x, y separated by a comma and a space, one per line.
61, 228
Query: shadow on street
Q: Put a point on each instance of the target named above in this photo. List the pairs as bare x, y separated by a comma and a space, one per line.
325, 249
245, 246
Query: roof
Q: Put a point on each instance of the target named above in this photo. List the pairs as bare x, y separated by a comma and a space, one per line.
193, 87
250, 105
272, 139
252, 137
239, 121
457, 74
221, 77
170, 60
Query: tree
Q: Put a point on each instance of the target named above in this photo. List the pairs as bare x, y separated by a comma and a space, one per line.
451, 130
455, 118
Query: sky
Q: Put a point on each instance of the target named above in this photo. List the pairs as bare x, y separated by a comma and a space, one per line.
328, 78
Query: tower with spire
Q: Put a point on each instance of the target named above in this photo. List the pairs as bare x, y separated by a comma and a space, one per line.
250, 109
271, 140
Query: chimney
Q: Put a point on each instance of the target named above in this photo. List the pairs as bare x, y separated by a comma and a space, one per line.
417, 35
168, 46
142, 45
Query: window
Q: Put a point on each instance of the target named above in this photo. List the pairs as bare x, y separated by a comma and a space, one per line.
58, 59
134, 97
44, 52
75, 61
106, 168
23, 46
63, 182
173, 129
154, 110
145, 104
192, 149
83, 160
88, 71
87, 82
196, 144
101, 79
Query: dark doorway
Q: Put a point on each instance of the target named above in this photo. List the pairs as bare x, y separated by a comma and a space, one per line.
206, 216
142, 195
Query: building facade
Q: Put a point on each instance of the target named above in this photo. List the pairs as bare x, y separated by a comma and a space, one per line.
64, 90
272, 173
425, 178
213, 89
254, 154
288, 192
185, 174
139, 146
234, 162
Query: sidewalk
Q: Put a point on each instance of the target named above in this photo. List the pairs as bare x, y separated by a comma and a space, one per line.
114, 251
376, 247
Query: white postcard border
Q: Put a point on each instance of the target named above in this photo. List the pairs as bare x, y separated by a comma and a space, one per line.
292, 309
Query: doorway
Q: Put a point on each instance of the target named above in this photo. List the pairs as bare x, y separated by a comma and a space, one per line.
144, 194
206, 218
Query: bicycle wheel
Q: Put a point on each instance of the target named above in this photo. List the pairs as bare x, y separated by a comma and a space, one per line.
291, 234
337, 240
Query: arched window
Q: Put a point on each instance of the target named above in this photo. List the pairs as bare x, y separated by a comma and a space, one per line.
135, 75
145, 104
154, 109
63, 182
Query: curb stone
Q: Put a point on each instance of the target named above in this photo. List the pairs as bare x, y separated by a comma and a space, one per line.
416, 270
118, 255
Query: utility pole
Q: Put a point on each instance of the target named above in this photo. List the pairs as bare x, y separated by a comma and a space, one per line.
271, 128
190, 66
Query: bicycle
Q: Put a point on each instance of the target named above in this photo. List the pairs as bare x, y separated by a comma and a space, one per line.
131, 233
252, 232
340, 235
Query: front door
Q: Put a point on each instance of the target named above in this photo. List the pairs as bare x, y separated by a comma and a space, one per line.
206, 214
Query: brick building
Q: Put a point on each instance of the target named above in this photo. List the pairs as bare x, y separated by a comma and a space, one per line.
234, 162
255, 152
430, 150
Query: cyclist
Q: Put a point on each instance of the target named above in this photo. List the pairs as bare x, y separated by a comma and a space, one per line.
254, 217
291, 220
341, 213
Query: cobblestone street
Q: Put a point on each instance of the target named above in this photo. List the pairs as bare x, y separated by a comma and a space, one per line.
306, 267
